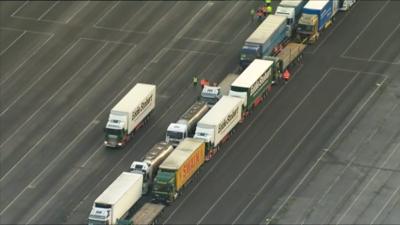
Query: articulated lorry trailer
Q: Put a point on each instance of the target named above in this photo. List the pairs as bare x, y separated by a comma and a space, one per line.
116, 201
186, 125
215, 127
177, 169
291, 9
212, 94
253, 83
316, 16
131, 113
149, 165
264, 40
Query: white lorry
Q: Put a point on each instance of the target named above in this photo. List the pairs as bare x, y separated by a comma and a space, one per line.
186, 124
214, 128
148, 167
291, 9
116, 201
211, 94
131, 113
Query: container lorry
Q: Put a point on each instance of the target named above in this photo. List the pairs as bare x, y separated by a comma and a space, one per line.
316, 16
215, 127
265, 40
177, 169
211, 94
150, 163
131, 113
116, 201
291, 9
186, 124
253, 83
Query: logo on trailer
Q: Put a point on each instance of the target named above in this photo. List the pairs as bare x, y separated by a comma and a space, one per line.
260, 81
142, 106
228, 120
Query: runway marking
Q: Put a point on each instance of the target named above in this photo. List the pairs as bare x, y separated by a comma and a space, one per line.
118, 29
384, 42
394, 194
52, 197
133, 16
226, 151
282, 164
19, 8
364, 29
54, 126
13, 42
368, 183
7, 76
39, 78
161, 19
48, 10
222, 19
52, 96
183, 31
76, 12
332, 143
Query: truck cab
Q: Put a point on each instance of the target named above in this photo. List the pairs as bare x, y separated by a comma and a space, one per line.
289, 13
248, 53
164, 187
307, 29
115, 132
211, 95
143, 169
100, 215
176, 132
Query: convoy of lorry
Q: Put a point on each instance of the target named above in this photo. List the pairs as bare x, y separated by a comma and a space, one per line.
198, 134
131, 113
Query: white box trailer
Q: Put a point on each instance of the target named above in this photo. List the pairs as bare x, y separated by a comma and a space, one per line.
114, 203
129, 114
219, 121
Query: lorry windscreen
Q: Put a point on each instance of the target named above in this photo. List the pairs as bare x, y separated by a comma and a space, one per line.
304, 28
175, 135
97, 222
114, 132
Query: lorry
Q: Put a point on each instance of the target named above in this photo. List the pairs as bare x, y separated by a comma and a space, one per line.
253, 83
186, 124
289, 55
131, 113
177, 169
215, 127
116, 201
150, 163
345, 5
265, 40
211, 94
316, 16
291, 9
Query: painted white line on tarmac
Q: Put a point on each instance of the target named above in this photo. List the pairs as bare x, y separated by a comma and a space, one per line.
55, 125
7, 76
19, 8
108, 11
394, 194
39, 78
134, 15
205, 40
36, 20
30, 31
52, 96
52, 197
329, 146
13, 42
365, 28
368, 183
118, 29
384, 42
226, 151
294, 150
76, 12
48, 10
108, 41
161, 19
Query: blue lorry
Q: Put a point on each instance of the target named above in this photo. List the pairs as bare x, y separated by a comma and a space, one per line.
262, 42
316, 16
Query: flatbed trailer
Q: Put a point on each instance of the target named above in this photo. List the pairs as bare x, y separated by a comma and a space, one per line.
148, 213
291, 52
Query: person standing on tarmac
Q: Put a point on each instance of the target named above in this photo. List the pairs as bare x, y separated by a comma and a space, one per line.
195, 81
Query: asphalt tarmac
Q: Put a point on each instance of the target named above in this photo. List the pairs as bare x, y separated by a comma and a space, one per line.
65, 64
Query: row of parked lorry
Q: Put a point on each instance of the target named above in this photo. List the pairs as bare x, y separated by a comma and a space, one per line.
199, 132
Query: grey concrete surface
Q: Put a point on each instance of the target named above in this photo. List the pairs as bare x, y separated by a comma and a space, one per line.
75, 60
